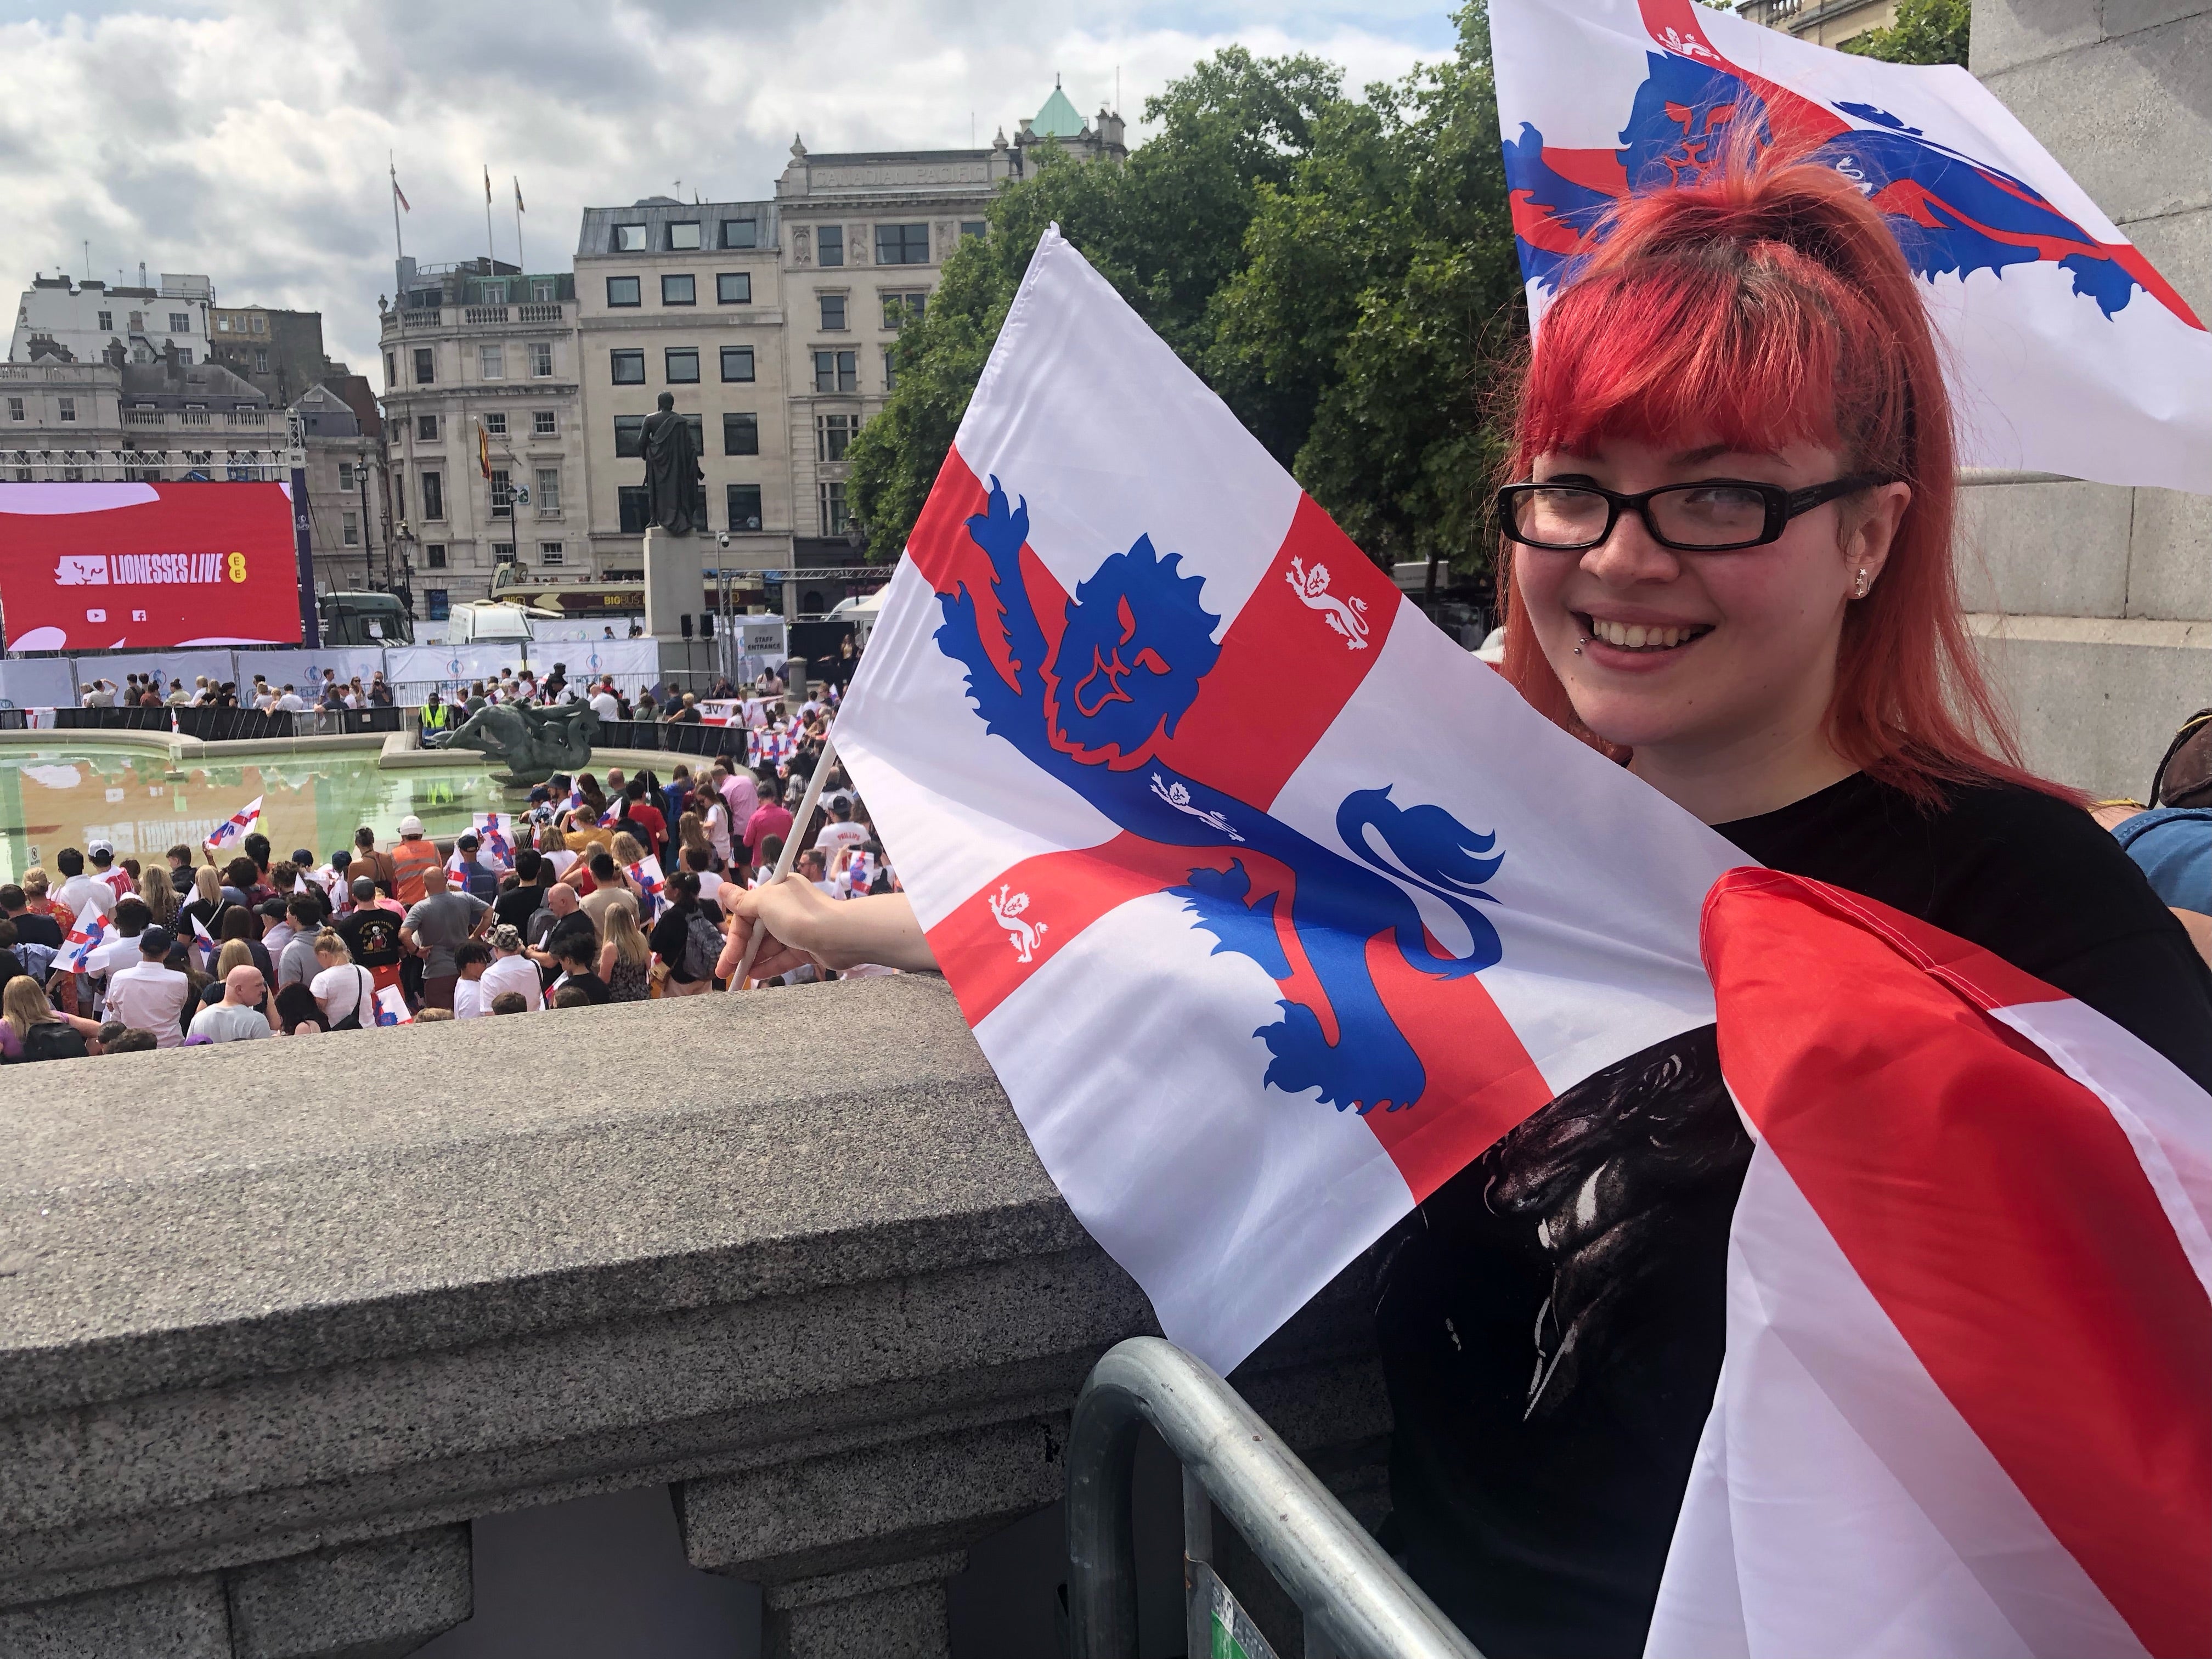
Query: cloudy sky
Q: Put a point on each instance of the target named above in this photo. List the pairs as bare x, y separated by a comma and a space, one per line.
248, 139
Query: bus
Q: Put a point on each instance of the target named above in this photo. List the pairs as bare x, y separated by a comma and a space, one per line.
612, 596
364, 619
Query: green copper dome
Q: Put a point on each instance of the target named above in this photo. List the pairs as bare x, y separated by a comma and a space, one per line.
1057, 118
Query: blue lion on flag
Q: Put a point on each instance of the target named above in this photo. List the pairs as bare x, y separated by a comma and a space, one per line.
1131, 658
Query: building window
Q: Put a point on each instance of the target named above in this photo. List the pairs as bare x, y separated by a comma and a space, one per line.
830, 497
833, 313
503, 552
345, 475
69, 409
683, 236
107, 322
491, 362
833, 436
902, 245
681, 365
836, 371
434, 498
740, 233
737, 363
185, 355
426, 428
741, 434
435, 599
426, 366
390, 369
15, 409
542, 293
180, 322
900, 309
973, 226
549, 490
624, 291
260, 361
260, 323
627, 239
629, 500
349, 528
890, 368
744, 507
435, 553
550, 553
137, 322
541, 359
542, 424
829, 245
627, 367
496, 425
679, 290
734, 288
630, 437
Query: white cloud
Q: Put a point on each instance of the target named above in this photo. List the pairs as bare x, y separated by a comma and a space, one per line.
247, 139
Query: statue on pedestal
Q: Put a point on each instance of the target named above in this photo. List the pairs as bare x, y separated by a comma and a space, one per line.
532, 743
673, 482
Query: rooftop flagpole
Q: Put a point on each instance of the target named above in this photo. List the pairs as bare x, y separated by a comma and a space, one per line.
398, 201
519, 259
491, 254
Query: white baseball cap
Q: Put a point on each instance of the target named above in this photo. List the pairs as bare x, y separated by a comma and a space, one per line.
411, 825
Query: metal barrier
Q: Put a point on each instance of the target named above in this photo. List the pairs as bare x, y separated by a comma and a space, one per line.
232, 725
1357, 1603
676, 739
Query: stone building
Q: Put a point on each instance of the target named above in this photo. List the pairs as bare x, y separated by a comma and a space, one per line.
2094, 602
86, 322
1824, 22
348, 530
482, 375
106, 420
280, 351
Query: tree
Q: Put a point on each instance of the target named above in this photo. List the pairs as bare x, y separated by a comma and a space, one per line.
1926, 32
1167, 229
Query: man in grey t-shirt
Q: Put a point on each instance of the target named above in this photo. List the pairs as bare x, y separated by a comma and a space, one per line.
441, 920
242, 1014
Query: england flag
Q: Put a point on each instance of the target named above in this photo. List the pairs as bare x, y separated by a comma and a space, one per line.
647, 874
236, 828
391, 1007
84, 939
2068, 352
495, 837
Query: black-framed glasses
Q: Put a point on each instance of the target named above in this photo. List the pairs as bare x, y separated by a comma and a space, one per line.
1714, 515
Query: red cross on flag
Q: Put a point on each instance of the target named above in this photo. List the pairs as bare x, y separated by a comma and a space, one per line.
1271, 905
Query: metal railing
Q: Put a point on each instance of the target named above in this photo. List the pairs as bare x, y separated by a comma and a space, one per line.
1356, 1601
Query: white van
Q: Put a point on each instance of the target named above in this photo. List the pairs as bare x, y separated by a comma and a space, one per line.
487, 622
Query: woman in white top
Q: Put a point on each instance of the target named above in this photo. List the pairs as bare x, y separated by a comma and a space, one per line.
343, 990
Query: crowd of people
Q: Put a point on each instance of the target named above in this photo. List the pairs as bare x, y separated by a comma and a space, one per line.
599, 891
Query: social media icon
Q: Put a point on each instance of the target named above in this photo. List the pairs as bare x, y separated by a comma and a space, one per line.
95, 615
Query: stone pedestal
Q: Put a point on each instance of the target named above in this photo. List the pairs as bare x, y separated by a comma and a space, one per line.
675, 581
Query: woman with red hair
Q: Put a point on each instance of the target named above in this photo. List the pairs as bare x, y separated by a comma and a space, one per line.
1728, 566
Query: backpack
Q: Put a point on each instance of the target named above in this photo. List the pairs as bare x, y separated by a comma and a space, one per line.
702, 946
54, 1039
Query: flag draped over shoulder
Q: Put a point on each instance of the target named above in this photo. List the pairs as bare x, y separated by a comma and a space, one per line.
1270, 906
1965, 1406
2068, 351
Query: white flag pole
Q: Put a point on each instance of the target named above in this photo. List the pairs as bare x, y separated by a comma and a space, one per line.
790, 855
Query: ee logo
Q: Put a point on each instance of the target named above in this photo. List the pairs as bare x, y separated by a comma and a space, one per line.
236, 566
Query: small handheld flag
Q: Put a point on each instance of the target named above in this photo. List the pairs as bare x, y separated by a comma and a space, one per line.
391, 1007
240, 825
81, 944
203, 942
495, 835
647, 874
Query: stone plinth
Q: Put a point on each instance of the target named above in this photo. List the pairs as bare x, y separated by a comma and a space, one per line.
675, 581
278, 1320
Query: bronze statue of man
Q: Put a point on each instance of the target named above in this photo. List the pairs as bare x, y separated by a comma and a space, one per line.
673, 482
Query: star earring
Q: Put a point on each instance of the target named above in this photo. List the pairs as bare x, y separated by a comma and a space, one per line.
1859, 584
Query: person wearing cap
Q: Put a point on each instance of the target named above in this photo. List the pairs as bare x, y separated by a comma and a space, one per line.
511, 970
414, 857
150, 994
468, 867
102, 854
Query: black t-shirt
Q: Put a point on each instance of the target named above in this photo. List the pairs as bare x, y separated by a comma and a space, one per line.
515, 907
373, 936
668, 936
590, 984
1552, 1319
31, 928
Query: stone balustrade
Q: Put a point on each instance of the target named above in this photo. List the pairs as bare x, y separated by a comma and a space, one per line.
278, 1321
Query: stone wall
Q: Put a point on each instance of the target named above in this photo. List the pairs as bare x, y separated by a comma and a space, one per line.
2095, 602
279, 1321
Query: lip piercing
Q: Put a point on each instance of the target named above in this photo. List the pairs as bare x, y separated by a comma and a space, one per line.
1580, 643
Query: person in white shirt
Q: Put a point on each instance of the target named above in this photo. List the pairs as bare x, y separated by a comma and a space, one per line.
289, 703
511, 970
473, 958
149, 995
343, 989
79, 890
697, 860
604, 704
840, 831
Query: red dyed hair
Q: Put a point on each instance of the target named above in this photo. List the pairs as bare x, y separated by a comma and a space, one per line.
1768, 303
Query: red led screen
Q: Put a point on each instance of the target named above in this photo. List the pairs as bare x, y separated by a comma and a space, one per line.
97, 567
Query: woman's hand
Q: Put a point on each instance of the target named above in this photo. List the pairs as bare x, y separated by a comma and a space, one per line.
803, 924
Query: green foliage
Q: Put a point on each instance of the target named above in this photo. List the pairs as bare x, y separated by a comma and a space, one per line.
1926, 32
1340, 270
